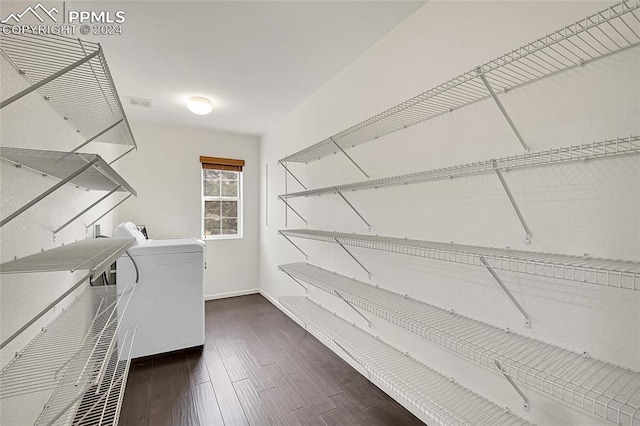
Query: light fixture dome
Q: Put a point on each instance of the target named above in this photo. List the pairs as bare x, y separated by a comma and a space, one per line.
199, 105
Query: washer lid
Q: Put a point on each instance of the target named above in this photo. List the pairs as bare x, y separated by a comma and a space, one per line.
181, 245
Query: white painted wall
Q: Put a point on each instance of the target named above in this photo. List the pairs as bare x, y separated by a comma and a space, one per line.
166, 172
32, 123
576, 208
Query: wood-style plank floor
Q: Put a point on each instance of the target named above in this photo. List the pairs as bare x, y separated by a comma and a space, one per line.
258, 367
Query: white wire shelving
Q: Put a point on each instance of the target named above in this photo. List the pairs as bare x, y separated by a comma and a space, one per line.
89, 171
99, 176
76, 361
604, 33
95, 255
73, 76
605, 272
438, 397
601, 388
583, 152
101, 406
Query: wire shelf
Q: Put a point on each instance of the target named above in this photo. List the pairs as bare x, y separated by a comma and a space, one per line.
601, 388
596, 36
83, 91
588, 151
62, 164
605, 272
95, 255
101, 400
77, 361
439, 398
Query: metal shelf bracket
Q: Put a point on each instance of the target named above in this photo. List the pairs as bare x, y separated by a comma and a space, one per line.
45, 310
67, 223
357, 311
292, 175
94, 137
292, 209
353, 257
108, 211
525, 400
354, 209
294, 244
52, 77
527, 236
502, 109
527, 320
296, 280
122, 155
364, 367
48, 192
349, 157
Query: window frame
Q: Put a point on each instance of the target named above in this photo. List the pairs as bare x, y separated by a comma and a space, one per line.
240, 209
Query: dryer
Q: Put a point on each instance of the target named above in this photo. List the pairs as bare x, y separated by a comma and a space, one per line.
167, 306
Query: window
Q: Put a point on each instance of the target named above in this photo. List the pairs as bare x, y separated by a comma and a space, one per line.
221, 198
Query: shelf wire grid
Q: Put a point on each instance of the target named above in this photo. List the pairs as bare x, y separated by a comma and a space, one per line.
438, 397
583, 152
101, 176
75, 342
599, 35
601, 388
95, 255
86, 95
606, 272
100, 404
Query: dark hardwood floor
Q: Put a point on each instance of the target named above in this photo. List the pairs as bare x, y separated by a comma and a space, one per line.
258, 367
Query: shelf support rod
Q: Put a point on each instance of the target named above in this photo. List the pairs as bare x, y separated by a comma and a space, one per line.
286, 195
52, 77
92, 138
108, 211
296, 280
122, 155
502, 109
525, 400
295, 245
44, 311
70, 404
112, 344
352, 357
294, 210
292, 175
349, 157
352, 256
84, 211
357, 311
527, 237
527, 320
354, 209
48, 192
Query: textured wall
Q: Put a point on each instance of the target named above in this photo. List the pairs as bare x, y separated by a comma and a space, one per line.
575, 208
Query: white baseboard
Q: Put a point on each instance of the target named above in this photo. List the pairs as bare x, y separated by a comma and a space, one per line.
232, 294
269, 298
277, 304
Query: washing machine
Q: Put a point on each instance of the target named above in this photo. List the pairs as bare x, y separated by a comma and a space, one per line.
167, 306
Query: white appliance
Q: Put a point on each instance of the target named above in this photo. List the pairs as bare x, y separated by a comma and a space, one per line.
167, 306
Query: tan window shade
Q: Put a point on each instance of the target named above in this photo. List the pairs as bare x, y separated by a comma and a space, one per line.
217, 163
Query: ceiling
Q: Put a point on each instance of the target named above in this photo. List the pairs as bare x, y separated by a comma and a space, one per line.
256, 60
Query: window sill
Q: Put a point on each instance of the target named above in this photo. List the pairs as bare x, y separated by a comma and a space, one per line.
222, 237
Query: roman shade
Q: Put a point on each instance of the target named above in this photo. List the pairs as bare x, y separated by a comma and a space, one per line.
216, 163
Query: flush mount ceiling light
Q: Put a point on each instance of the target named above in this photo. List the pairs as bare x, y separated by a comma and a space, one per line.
199, 105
